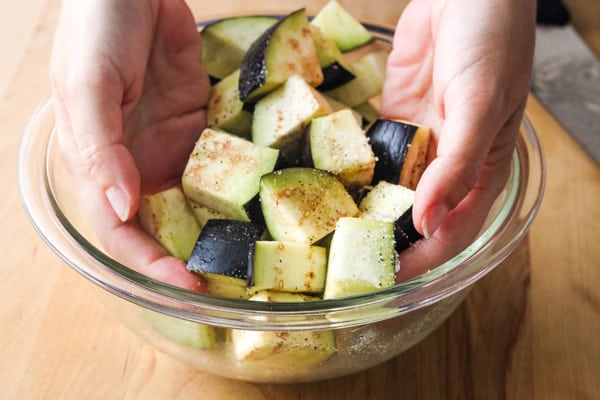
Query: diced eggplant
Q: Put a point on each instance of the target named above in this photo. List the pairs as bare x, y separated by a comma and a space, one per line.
303, 204
223, 172
341, 26
386, 202
369, 74
287, 350
225, 42
285, 49
222, 251
288, 267
203, 213
225, 109
227, 286
167, 217
305, 159
331, 59
392, 203
337, 105
401, 150
369, 111
339, 145
254, 210
405, 232
281, 115
361, 258
187, 333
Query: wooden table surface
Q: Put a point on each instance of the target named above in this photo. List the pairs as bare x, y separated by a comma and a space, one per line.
529, 330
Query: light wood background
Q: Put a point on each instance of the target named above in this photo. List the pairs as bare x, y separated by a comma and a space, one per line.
529, 330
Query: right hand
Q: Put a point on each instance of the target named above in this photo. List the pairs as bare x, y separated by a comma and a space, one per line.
462, 68
130, 93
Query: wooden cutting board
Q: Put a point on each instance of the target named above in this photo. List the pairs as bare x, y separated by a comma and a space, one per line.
528, 330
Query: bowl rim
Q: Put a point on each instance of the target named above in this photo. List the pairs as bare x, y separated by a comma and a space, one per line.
523, 200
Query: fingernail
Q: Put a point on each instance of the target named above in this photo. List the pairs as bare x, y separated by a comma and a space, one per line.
118, 201
433, 219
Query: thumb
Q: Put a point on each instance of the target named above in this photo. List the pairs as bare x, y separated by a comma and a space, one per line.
90, 131
471, 139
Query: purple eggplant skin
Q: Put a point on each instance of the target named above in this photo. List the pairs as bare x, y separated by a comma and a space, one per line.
306, 159
335, 75
405, 232
253, 69
390, 141
223, 247
249, 107
254, 211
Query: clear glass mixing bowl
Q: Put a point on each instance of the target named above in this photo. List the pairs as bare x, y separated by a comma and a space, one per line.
368, 329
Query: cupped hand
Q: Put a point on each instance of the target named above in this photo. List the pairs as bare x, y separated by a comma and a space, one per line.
130, 92
462, 68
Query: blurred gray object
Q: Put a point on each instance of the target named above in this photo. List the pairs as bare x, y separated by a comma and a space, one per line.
566, 77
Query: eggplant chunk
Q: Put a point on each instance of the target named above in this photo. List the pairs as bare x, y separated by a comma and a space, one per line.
287, 350
280, 116
168, 217
303, 204
203, 213
338, 144
341, 26
335, 70
405, 232
225, 109
401, 151
285, 49
223, 248
225, 42
386, 202
392, 203
361, 258
187, 333
223, 172
288, 267
369, 74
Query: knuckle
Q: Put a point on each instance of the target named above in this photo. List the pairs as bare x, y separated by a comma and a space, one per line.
462, 178
84, 78
92, 158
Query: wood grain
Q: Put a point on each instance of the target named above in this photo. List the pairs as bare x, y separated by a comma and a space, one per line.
15, 39
528, 330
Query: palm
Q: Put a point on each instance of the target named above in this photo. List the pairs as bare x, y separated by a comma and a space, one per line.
169, 114
462, 68
409, 91
440, 68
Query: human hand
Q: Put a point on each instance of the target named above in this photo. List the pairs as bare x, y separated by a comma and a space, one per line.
463, 69
130, 92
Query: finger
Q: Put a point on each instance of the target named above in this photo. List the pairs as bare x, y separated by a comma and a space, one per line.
480, 94
471, 136
135, 249
89, 124
409, 68
128, 244
460, 228
90, 87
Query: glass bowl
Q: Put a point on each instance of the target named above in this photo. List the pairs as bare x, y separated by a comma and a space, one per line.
197, 329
